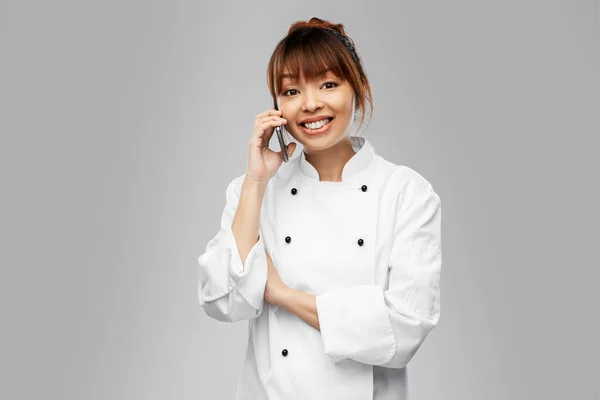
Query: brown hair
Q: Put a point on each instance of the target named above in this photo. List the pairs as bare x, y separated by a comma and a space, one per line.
311, 47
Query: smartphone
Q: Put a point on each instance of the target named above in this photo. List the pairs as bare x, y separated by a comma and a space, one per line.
279, 132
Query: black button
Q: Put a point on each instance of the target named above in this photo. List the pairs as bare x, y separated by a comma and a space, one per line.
360, 242
294, 191
364, 188
288, 239
284, 352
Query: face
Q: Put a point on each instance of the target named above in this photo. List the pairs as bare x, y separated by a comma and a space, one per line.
327, 97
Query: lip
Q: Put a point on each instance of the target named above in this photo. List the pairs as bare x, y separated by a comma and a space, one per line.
315, 132
314, 119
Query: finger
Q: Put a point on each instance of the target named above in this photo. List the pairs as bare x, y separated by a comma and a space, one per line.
289, 149
268, 129
268, 113
272, 118
264, 130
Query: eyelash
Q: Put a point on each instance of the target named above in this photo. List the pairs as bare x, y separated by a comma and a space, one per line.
334, 83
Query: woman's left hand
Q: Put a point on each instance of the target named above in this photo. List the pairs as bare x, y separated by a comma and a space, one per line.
275, 287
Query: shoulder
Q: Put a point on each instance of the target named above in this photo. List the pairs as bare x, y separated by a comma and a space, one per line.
235, 184
404, 177
405, 183
234, 189
398, 176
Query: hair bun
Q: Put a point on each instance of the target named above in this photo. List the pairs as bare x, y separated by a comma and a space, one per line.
315, 22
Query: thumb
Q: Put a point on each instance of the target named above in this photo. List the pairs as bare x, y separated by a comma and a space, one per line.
290, 148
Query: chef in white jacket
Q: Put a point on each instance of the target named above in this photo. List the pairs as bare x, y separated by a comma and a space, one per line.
333, 257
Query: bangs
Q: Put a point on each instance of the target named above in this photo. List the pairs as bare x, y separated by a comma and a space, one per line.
309, 55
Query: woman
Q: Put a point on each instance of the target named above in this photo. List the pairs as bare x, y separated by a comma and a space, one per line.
333, 257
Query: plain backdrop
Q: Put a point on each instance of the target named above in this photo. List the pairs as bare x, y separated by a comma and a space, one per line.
123, 122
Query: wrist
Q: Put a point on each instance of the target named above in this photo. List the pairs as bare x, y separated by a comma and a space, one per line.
254, 188
254, 183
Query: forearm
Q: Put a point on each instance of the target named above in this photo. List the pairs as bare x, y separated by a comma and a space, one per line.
245, 226
302, 304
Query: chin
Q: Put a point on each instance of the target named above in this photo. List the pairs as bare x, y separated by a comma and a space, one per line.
321, 143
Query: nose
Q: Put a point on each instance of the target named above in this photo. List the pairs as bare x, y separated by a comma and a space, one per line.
311, 101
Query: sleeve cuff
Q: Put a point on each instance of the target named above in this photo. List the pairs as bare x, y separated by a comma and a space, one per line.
354, 324
249, 280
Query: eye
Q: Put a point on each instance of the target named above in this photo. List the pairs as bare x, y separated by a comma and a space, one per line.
290, 90
334, 84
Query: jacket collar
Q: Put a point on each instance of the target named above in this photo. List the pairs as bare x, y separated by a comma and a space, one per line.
359, 162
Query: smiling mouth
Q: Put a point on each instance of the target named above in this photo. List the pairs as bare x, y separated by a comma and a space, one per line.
316, 126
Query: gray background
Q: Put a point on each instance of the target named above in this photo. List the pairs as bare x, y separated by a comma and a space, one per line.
123, 121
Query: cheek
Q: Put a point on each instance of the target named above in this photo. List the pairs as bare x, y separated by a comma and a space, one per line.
344, 104
345, 109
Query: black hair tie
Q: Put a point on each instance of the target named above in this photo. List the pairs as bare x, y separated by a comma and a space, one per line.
348, 43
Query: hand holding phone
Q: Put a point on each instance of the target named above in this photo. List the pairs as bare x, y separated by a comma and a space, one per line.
263, 162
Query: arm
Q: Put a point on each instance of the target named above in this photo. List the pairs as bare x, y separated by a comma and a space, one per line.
247, 217
387, 327
300, 303
232, 272
303, 304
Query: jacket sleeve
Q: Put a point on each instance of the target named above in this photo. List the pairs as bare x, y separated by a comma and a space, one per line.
225, 291
386, 326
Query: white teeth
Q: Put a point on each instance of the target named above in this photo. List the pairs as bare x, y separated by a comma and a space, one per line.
316, 125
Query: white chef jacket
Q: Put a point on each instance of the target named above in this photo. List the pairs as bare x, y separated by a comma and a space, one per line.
369, 249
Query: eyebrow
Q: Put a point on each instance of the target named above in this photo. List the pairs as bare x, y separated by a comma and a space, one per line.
294, 77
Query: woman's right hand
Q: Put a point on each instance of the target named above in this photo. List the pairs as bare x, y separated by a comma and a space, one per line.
263, 162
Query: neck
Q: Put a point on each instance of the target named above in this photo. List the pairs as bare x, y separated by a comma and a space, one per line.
330, 162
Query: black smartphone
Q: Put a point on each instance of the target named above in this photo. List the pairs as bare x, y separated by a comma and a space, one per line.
279, 132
